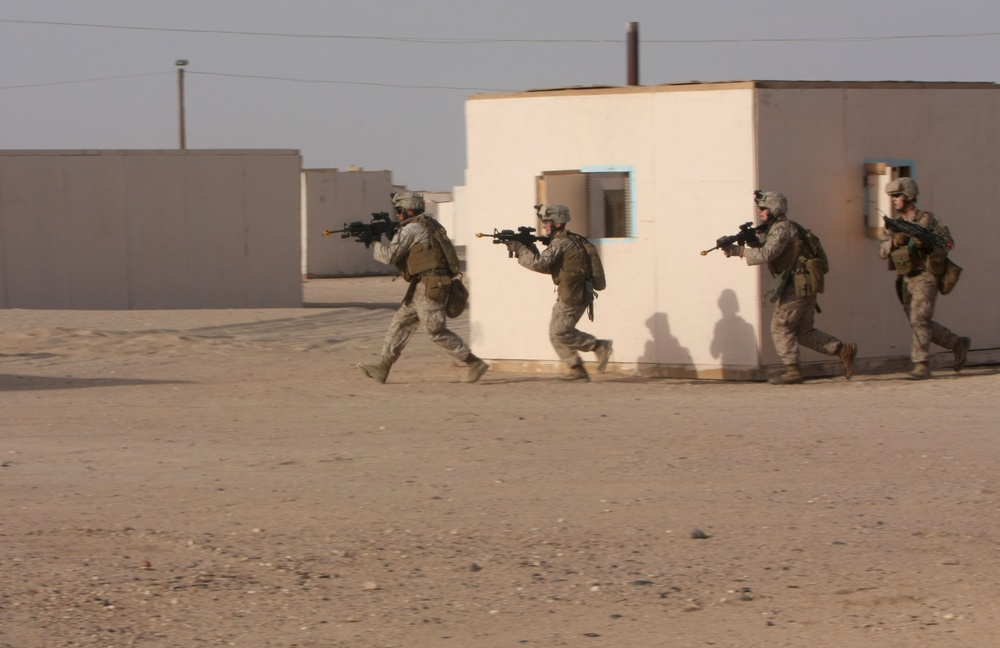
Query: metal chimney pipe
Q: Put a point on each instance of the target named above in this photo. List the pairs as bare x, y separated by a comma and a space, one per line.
633, 53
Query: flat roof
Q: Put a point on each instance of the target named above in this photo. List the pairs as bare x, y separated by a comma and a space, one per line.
697, 86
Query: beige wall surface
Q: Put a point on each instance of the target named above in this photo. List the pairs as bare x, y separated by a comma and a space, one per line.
669, 310
812, 146
331, 198
149, 229
696, 153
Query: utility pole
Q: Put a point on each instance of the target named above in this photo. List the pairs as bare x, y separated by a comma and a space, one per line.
633, 53
180, 63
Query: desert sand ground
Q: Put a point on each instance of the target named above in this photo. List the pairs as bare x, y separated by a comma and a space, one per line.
228, 478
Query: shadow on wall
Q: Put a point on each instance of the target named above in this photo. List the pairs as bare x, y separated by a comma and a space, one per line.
663, 345
734, 345
733, 341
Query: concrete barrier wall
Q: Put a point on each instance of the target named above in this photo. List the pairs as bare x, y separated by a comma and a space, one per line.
331, 198
150, 229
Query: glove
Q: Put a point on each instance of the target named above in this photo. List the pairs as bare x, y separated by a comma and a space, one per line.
899, 239
733, 250
513, 246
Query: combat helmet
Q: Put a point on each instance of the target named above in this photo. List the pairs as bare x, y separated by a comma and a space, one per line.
772, 200
408, 200
554, 213
905, 186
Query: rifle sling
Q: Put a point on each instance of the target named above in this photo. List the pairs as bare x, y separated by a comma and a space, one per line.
408, 297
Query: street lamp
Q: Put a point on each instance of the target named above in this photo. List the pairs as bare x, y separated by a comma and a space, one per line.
180, 63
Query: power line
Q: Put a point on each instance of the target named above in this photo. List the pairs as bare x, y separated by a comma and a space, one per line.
270, 78
481, 41
365, 83
107, 78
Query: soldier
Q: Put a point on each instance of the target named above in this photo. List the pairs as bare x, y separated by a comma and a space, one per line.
568, 261
425, 257
919, 269
783, 249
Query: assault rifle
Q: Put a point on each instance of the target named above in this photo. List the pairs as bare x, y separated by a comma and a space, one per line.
523, 235
747, 236
927, 238
367, 233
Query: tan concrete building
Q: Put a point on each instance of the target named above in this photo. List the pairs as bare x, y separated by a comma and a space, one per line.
150, 229
655, 174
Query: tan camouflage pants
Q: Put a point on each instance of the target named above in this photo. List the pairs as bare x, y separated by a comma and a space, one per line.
792, 325
919, 296
565, 337
431, 314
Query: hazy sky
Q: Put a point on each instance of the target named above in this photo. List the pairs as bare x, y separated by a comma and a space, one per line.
383, 85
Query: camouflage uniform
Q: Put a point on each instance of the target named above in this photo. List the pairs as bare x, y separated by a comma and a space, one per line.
918, 291
566, 339
425, 256
419, 309
792, 320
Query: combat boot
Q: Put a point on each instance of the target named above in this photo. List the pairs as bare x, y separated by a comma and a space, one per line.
603, 351
576, 372
378, 372
961, 352
476, 368
792, 376
848, 350
920, 371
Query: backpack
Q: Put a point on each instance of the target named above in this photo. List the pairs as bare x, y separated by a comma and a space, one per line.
439, 235
457, 299
597, 277
812, 263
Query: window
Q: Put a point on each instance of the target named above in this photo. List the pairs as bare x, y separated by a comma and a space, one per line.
878, 174
599, 199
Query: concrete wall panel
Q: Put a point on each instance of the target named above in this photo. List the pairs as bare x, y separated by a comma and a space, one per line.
332, 198
150, 229
813, 145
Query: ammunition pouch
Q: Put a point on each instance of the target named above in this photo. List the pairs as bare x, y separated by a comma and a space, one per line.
437, 287
803, 284
814, 267
936, 264
458, 298
901, 261
949, 276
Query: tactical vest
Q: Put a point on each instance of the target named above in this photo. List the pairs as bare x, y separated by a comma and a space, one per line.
917, 259
786, 260
439, 257
573, 273
804, 261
